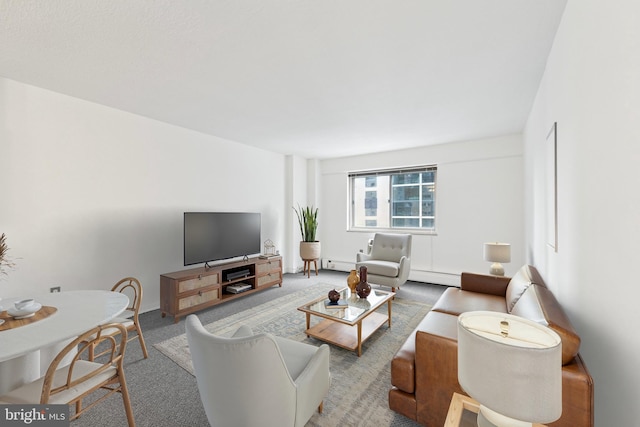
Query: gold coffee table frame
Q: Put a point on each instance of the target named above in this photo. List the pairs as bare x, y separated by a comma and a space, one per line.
348, 327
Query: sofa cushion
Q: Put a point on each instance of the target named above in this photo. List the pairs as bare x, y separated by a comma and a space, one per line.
519, 284
456, 301
538, 304
382, 268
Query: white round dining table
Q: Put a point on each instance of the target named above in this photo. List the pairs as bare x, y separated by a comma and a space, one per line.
27, 351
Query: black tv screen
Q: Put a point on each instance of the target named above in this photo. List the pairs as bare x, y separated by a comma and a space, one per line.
211, 236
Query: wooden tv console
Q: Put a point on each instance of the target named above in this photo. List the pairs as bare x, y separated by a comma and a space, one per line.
187, 291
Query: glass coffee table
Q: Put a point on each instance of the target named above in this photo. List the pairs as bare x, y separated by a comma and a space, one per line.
350, 325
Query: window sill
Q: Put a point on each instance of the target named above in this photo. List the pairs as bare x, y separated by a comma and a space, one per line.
413, 231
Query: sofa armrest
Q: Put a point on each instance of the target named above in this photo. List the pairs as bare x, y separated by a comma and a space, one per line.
577, 396
484, 283
537, 303
361, 256
404, 268
313, 384
436, 370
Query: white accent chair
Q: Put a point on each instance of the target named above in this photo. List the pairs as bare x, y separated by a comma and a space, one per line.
257, 380
389, 261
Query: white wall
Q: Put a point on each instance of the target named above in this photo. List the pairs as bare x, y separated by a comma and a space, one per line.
296, 185
91, 194
479, 199
591, 87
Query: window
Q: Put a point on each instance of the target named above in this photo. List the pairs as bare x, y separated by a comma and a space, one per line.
394, 198
371, 203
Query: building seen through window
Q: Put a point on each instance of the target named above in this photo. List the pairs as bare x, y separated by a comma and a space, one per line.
394, 199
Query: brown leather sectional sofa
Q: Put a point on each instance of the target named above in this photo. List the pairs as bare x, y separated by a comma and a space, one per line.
424, 372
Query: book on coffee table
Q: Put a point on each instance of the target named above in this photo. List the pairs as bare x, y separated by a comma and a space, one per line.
337, 304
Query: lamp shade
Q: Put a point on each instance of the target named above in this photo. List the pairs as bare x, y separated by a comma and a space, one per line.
511, 365
497, 252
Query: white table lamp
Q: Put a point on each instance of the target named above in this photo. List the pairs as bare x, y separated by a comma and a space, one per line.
512, 366
497, 253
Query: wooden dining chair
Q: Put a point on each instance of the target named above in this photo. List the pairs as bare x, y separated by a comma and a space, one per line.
71, 383
132, 288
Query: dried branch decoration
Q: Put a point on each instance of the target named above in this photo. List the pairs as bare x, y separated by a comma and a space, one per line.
5, 262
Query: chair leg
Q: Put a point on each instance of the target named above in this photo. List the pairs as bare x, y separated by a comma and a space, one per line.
142, 343
321, 407
78, 407
126, 401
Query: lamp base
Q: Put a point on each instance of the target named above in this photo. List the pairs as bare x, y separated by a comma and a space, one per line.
497, 269
489, 418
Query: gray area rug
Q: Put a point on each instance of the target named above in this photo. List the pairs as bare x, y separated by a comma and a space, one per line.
359, 385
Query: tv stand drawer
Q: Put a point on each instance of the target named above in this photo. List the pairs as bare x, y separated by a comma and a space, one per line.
269, 279
197, 283
267, 266
199, 298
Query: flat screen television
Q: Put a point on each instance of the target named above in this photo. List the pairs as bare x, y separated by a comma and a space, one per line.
212, 236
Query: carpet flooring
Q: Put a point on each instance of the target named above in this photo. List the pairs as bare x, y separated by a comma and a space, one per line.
163, 394
358, 392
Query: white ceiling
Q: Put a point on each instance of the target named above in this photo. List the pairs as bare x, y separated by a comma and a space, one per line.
315, 78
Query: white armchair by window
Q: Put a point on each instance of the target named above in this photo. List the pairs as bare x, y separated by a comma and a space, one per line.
257, 380
389, 260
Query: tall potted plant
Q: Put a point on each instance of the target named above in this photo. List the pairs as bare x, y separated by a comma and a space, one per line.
308, 221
